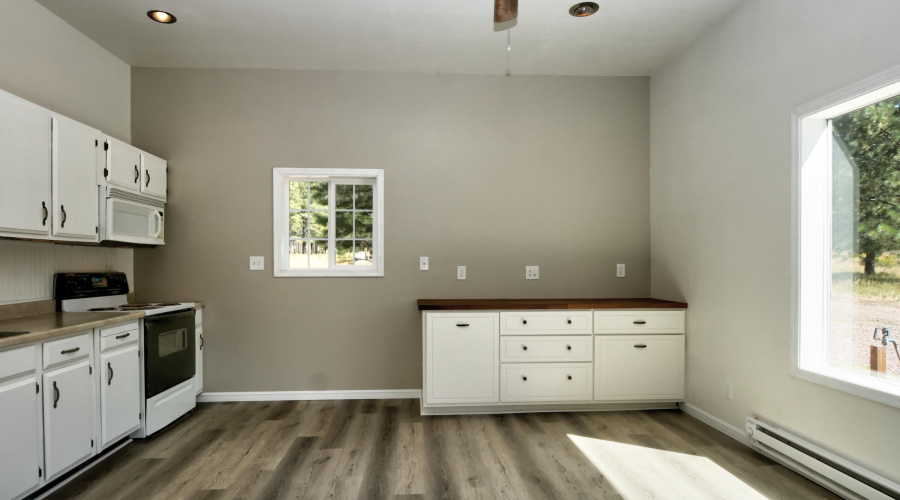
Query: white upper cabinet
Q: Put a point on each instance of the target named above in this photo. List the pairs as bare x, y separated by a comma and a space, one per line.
123, 165
24, 167
153, 176
76, 153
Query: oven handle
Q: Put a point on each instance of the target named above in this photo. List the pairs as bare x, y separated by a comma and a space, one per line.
158, 223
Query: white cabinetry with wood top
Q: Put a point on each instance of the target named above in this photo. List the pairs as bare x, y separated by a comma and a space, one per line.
21, 454
546, 360
120, 378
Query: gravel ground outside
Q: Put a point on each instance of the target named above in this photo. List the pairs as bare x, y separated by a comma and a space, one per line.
853, 321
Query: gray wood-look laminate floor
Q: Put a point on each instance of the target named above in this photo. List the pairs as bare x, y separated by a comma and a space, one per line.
384, 449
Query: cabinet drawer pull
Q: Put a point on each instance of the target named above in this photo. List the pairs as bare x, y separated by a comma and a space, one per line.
462, 325
569, 321
568, 347
148, 177
569, 377
640, 322
524, 347
46, 213
524, 378
120, 337
524, 321
70, 351
640, 346
55, 394
110, 376
137, 174
62, 223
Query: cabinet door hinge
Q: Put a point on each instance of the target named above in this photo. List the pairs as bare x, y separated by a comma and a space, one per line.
105, 146
37, 388
96, 143
139, 416
92, 443
90, 370
105, 172
40, 472
96, 229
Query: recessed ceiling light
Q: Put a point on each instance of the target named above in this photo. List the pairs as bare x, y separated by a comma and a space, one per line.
161, 16
583, 9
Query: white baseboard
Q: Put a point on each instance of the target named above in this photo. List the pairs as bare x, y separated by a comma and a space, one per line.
218, 397
718, 424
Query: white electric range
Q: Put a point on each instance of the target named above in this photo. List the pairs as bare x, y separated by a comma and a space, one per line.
167, 343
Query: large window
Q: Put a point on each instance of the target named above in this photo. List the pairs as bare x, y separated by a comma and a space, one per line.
328, 222
848, 247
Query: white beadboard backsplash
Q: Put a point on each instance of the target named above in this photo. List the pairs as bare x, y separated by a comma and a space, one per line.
27, 268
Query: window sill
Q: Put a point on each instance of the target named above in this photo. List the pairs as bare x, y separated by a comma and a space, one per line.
865, 387
328, 273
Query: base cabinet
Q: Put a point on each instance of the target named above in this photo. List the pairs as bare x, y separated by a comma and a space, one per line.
120, 394
198, 328
20, 428
638, 367
462, 358
68, 417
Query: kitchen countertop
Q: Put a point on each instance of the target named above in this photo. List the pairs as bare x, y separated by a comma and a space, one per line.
57, 324
519, 304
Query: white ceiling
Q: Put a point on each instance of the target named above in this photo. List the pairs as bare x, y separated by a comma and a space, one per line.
626, 37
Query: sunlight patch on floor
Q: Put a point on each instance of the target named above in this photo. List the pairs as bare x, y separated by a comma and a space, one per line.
641, 473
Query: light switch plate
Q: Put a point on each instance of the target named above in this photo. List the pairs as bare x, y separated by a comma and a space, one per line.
620, 270
532, 272
423, 263
257, 263
461, 272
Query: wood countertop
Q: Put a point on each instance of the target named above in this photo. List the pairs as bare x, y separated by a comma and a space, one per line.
46, 326
520, 304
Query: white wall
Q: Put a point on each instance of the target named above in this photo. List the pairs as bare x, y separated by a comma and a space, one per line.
50, 63
720, 207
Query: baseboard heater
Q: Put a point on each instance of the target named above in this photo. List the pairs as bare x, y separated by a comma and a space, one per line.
831, 471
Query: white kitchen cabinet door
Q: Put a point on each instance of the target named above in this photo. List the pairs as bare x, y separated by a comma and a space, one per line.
462, 358
199, 376
76, 152
123, 165
25, 166
69, 411
153, 176
638, 367
20, 427
120, 394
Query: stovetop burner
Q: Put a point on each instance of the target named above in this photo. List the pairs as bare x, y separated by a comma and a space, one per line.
134, 307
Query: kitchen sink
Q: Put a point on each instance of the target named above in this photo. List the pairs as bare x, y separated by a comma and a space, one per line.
4, 335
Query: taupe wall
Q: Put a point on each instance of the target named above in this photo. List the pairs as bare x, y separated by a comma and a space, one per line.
721, 205
494, 173
50, 63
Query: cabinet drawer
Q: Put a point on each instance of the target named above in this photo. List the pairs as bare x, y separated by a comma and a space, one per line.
545, 322
119, 329
530, 349
67, 349
630, 367
613, 322
119, 339
545, 382
17, 361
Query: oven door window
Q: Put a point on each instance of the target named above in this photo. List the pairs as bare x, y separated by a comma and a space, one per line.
171, 353
172, 342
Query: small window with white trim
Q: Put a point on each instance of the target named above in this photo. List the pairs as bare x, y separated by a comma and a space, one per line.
847, 250
328, 222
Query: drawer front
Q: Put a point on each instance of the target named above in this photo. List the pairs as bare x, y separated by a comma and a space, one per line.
119, 329
545, 382
17, 361
617, 322
629, 367
463, 324
531, 349
121, 338
545, 322
67, 349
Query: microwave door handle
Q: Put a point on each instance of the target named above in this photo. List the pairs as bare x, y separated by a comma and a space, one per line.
158, 223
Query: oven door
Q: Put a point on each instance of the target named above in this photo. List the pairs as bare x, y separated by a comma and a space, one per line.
132, 222
170, 351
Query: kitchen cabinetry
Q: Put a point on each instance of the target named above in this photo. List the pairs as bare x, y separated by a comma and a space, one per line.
120, 372
462, 353
153, 176
123, 165
76, 154
198, 328
20, 422
552, 359
25, 203
69, 412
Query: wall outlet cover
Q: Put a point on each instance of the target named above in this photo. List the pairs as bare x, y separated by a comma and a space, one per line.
423, 263
461, 272
257, 263
532, 272
729, 390
620, 270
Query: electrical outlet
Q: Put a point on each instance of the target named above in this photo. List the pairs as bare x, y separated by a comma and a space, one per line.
532, 272
729, 391
620, 270
257, 263
461, 272
423, 263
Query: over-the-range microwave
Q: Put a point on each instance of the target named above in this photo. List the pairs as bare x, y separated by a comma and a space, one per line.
131, 218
